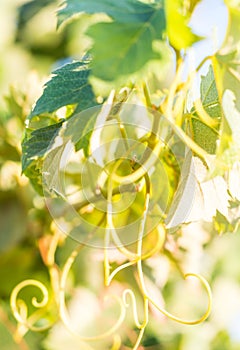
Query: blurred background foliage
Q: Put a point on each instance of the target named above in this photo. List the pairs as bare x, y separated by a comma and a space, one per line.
30, 46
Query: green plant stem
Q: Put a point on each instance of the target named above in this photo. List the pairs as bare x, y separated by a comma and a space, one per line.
202, 62
147, 95
128, 188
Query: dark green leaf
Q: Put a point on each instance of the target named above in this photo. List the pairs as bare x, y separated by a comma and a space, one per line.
38, 143
69, 85
124, 11
78, 129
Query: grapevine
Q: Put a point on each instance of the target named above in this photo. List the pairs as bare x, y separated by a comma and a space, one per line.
121, 153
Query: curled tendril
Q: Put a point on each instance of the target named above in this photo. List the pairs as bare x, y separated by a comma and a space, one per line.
19, 307
160, 240
144, 289
140, 326
64, 316
129, 293
111, 331
153, 251
180, 320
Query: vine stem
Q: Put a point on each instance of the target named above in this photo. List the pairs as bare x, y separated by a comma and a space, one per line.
147, 95
168, 110
207, 58
111, 232
140, 172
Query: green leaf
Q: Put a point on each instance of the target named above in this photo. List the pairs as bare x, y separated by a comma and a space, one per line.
124, 11
232, 115
178, 30
38, 143
227, 64
122, 49
184, 195
78, 128
228, 151
84, 123
209, 95
204, 135
34, 173
229, 148
230, 77
234, 203
34, 147
125, 45
69, 85
221, 224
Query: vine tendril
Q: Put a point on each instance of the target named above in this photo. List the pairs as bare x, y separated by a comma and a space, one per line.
144, 289
19, 307
63, 309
